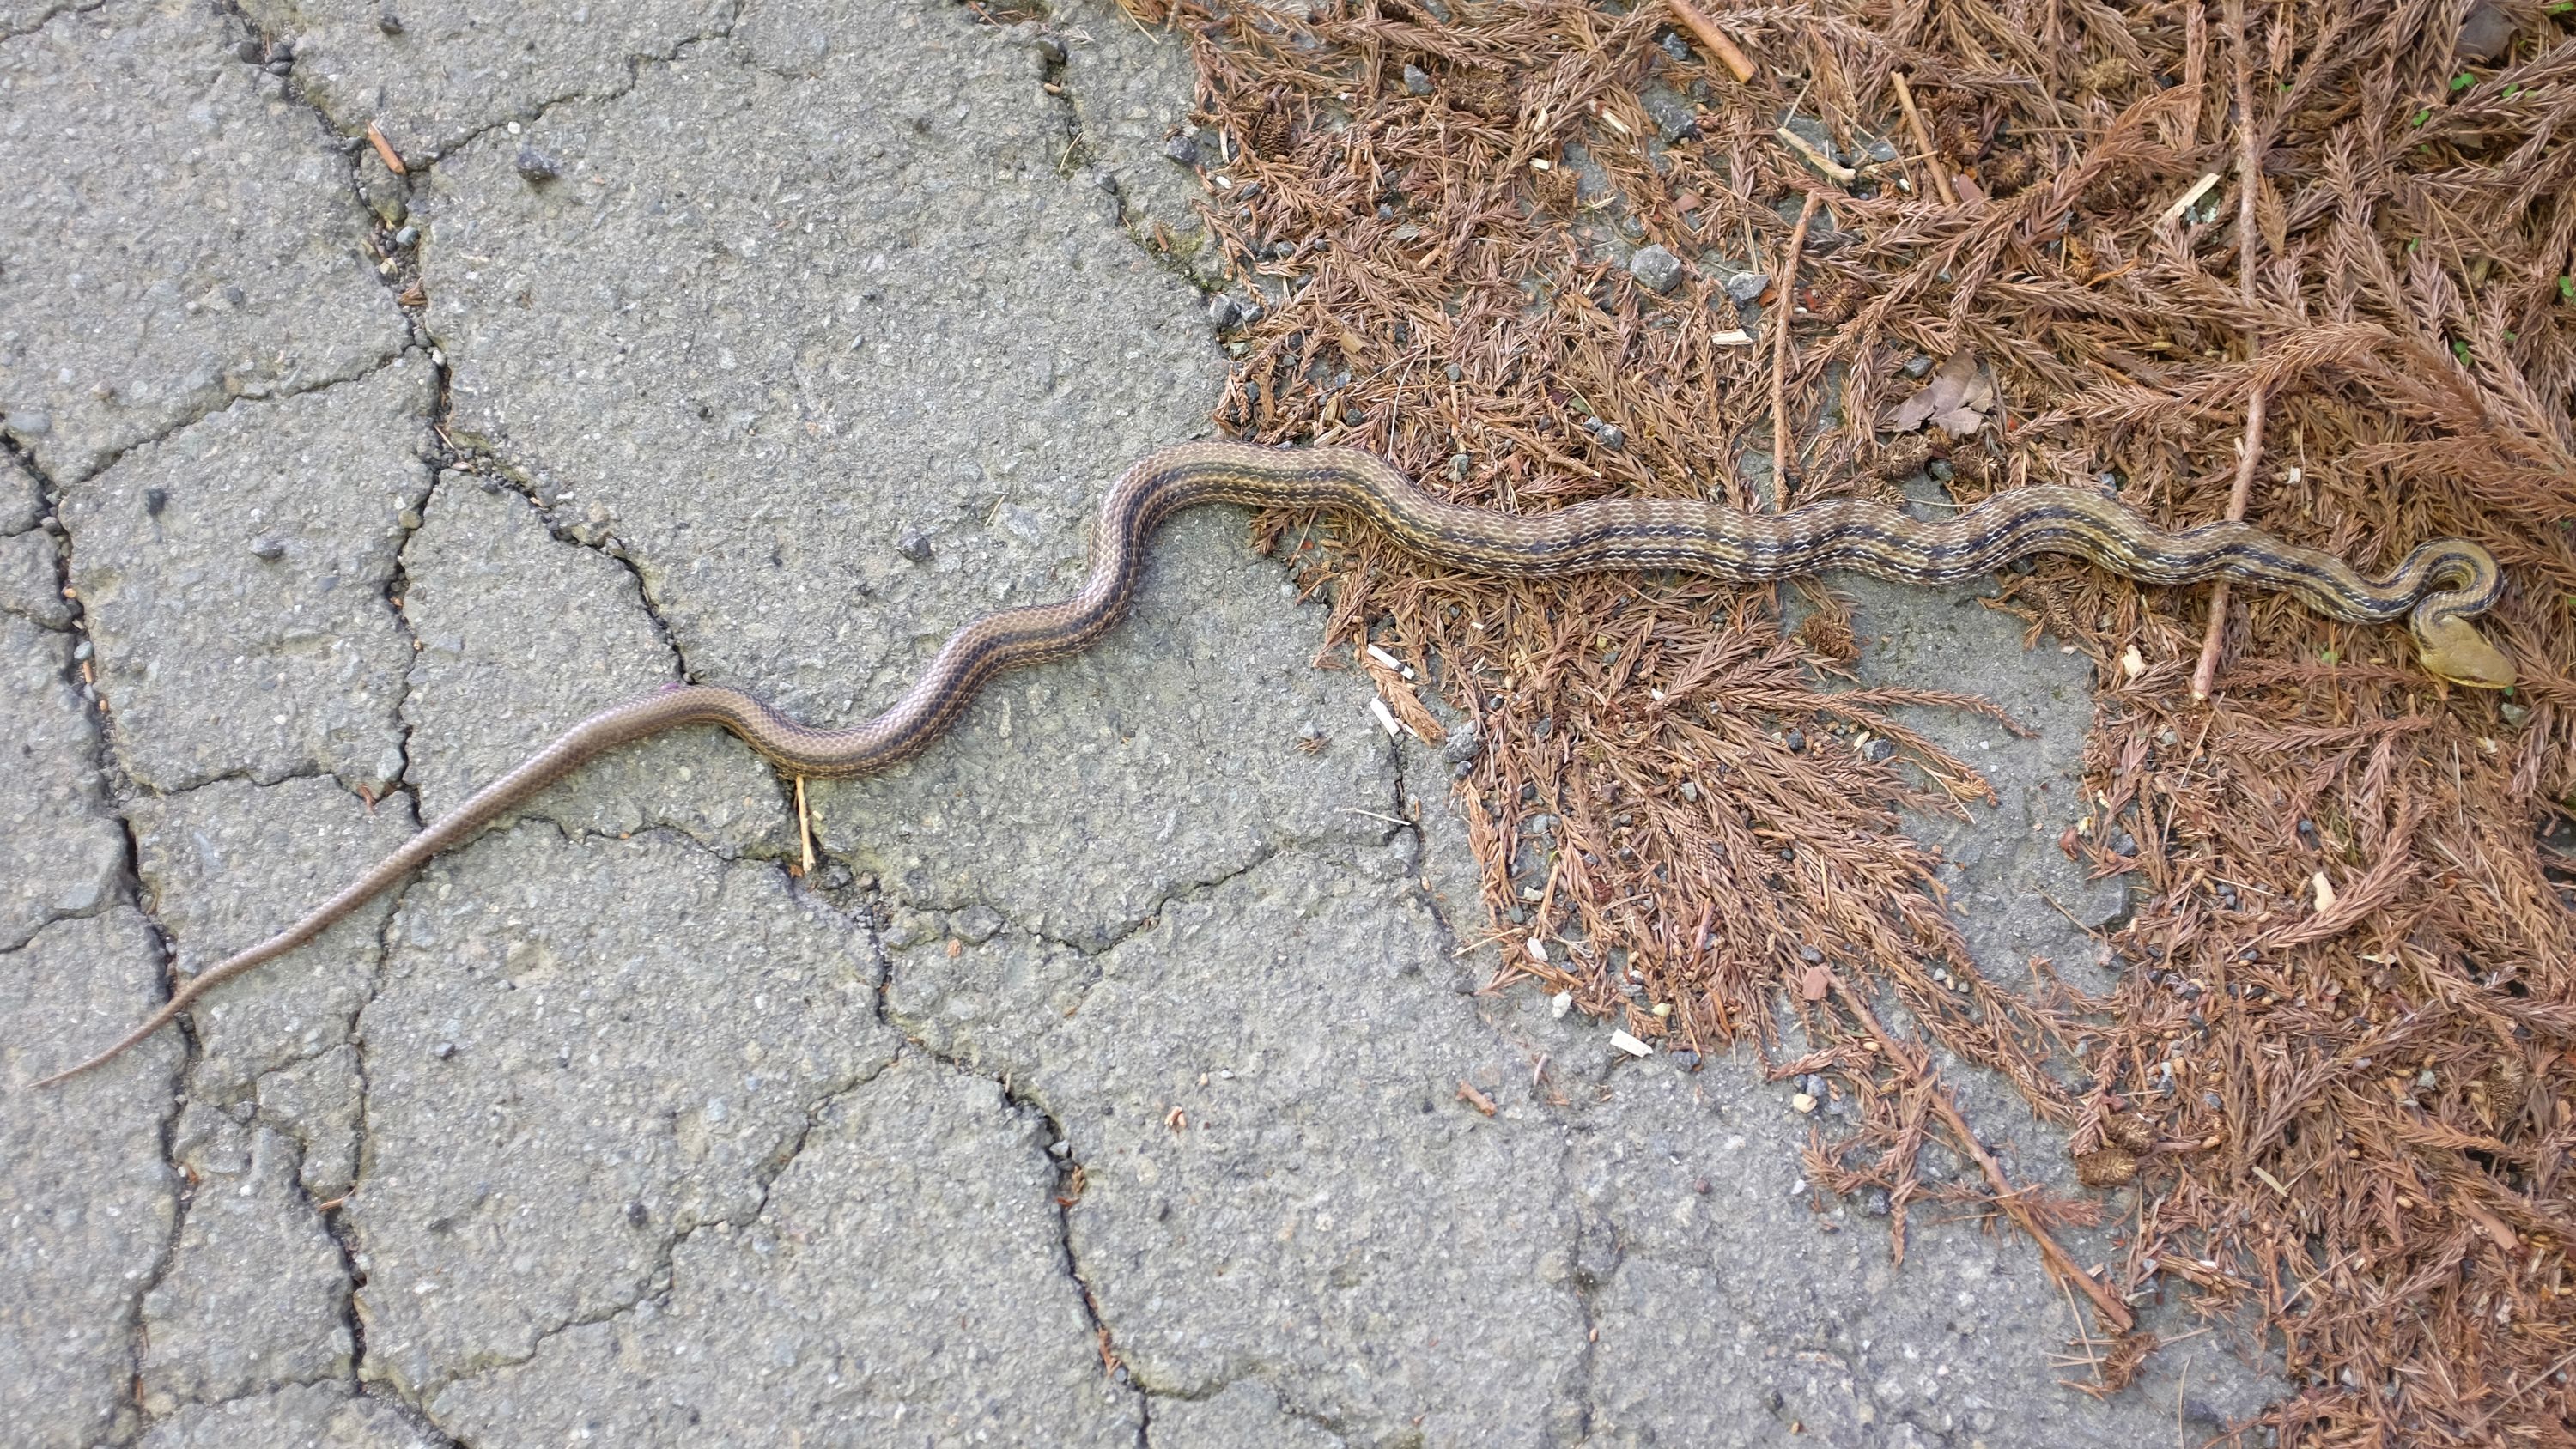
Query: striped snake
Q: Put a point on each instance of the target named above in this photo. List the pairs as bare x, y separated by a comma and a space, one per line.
2439, 587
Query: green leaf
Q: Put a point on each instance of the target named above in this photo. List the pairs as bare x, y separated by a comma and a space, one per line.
2328, 656
2567, 289
2421, 116
2412, 243
2462, 81
2460, 350
2512, 91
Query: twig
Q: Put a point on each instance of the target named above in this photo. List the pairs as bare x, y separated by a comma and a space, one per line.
385, 150
1727, 51
1784, 287
2250, 451
1815, 158
804, 828
1923, 139
2106, 1304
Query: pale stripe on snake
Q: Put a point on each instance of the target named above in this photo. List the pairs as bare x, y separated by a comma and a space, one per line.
2437, 588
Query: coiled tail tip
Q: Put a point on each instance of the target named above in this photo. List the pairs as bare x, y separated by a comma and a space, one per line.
2453, 649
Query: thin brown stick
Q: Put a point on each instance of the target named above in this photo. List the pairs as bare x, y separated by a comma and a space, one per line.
1719, 43
385, 151
2250, 451
1923, 139
2205, 674
804, 829
2061, 1264
1784, 288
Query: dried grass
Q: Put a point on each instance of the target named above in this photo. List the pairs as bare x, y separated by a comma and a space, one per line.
2346, 1110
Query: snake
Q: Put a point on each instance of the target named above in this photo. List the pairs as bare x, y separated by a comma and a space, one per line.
2439, 586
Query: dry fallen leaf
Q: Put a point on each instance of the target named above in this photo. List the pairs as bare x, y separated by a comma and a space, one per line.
1956, 400
1812, 985
2325, 892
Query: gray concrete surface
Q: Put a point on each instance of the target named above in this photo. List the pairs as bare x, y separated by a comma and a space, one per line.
1099, 1086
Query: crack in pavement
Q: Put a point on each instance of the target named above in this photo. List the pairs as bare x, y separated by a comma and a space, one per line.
1069, 1172
115, 788
531, 113
658, 1278
656, 1281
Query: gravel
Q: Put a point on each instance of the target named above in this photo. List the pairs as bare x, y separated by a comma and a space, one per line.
1655, 268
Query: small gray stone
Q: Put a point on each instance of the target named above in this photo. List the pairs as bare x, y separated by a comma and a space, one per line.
1417, 81
387, 21
1655, 269
30, 422
269, 549
1917, 365
536, 167
407, 236
1182, 149
914, 545
1464, 742
1879, 752
1222, 311
1744, 287
977, 923
2485, 32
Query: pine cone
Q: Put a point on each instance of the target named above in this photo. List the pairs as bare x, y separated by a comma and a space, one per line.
2106, 1167
1955, 133
1486, 93
2009, 171
1835, 299
2130, 1132
2103, 76
1902, 456
1269, 136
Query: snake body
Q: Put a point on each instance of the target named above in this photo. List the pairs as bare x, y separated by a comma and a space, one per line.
2438, 587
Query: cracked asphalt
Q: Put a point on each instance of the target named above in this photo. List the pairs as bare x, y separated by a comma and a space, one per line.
1101, 1085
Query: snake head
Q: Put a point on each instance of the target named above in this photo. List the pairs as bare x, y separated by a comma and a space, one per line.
2454, 649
